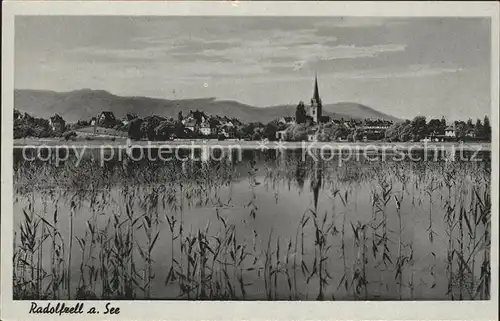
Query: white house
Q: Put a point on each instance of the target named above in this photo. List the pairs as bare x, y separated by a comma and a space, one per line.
205, 129
312, 137
449, 132
208, 128
227, 130
376, 127
57, 123
280, 134
106, 118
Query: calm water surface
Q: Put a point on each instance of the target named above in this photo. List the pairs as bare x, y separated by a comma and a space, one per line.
265, 195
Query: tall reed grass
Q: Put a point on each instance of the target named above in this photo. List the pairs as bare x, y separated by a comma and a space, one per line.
137, 226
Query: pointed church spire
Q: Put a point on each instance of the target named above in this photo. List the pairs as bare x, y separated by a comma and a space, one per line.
316, 89
316, 111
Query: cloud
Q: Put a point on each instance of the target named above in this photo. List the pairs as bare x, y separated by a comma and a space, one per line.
119, 55
277, 46
153, 49
359, 22
413, 71
298, 65
188, 44
345, 52
279, 53
282, 74
198, 57
196, 46
258, 51
280, 50
352, 51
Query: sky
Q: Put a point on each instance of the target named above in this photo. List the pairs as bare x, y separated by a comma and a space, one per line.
405, 67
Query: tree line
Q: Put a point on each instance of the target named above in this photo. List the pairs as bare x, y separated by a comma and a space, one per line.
160, 128
419, 128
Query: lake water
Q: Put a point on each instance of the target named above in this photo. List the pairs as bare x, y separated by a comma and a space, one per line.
255, 225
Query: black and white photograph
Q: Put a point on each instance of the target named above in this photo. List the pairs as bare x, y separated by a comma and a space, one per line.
251, 158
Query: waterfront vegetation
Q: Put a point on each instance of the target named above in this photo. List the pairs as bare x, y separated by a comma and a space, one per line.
210, 229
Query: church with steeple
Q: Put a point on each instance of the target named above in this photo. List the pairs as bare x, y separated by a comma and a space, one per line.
316, 108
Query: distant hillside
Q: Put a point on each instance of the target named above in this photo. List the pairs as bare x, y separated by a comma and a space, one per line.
357, 111
86, 103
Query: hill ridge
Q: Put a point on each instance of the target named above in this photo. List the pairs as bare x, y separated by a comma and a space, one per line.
86, 103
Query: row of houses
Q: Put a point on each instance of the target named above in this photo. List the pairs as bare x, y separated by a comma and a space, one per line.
56, 123
59, 125
366, 128
196, 122
376, 129
200, 123
368, 123
450, 134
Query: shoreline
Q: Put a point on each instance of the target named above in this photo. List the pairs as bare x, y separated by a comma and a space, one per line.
270, 145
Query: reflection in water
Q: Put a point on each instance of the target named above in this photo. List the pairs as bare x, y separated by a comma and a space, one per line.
242, 228
300, 173
316, 181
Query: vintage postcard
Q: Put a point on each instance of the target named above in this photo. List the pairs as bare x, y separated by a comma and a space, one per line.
247, 160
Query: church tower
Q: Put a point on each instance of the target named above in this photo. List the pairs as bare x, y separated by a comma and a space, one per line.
316, 109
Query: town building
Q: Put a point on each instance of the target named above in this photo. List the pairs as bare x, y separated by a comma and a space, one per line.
281, 134
287, 120
196, 116
312, 137
228, 130
374, 129
106, 119
57, 124
450, 131
378, 125
208, 128
22, 116
191, 125
434, 138
470, 133
17, 115
198, 122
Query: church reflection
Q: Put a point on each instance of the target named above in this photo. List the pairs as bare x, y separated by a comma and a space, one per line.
316, 180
